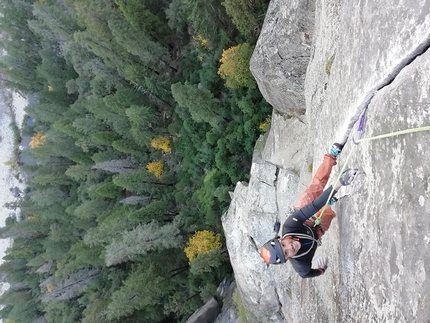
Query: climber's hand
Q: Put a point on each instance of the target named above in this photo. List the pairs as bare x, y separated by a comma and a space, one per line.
322, 264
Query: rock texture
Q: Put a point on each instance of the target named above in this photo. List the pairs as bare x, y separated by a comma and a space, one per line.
282, 54
364, 56
206, 313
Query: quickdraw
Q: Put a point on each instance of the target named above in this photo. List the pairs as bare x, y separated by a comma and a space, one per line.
360, 127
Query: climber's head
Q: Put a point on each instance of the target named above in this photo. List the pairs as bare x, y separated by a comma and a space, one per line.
277, 251
271, 252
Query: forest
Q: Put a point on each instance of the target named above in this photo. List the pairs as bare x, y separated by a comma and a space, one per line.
145, 117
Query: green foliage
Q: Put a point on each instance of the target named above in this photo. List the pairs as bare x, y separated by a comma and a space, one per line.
48, 196
82, 256
23, 307
242, 312
156, 210
143, 290
206, 262
104, 137
234, 66
140, 181
111, 224
143, 120
247, 16
106, 155
208, 17
90, 209
109, 190
78, 172
201, 103
141, 240
126, 146
63, 311
99, 78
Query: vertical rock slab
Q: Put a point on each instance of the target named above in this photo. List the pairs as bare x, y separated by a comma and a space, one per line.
389, 211
248, 224
282, 54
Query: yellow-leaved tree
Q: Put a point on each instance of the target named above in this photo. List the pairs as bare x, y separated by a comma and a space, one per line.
234, 68
202, 41
50, 288
37, 140
202, 242
155, 168
161, 142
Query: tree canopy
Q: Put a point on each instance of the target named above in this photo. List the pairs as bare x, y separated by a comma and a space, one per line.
136, 142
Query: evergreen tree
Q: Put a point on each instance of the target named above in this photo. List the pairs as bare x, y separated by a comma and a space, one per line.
48, 196
201, 104
156, 210
145, 290
111, 224
21, 45
142, 239
140, 181
145, 123
120, 166
109, 190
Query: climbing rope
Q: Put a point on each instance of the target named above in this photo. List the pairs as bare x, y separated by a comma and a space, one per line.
397, 133
317, 220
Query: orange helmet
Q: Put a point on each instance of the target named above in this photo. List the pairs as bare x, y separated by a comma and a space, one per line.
271, 252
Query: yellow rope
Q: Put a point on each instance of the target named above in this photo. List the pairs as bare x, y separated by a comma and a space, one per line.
397, 133
392, 134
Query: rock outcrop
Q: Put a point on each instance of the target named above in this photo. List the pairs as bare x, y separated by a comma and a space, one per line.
282, 54
206, 313
364, 57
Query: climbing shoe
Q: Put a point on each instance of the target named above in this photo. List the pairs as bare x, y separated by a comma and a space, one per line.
332, 200
348, 176
336, 149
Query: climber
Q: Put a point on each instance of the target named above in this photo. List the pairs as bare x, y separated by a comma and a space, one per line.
300, 237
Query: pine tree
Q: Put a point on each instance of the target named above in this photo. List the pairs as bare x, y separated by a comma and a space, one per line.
140, 181
144, 289
156, 210
201, 103
119, 166
109, 190
142, 239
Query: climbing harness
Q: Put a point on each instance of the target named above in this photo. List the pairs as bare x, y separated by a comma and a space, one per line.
304, 236
392, 134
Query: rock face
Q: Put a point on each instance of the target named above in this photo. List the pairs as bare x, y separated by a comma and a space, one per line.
282, 54
206, 313
249, 222
367, 57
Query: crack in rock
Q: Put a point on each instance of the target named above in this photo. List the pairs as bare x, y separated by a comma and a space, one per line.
361, 108
254, 244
